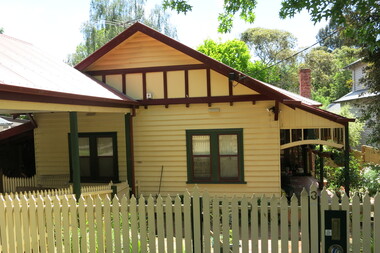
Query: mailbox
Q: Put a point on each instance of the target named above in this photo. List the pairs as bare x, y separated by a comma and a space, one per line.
335, 231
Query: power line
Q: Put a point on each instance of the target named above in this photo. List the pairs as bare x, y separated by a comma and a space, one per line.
303, 50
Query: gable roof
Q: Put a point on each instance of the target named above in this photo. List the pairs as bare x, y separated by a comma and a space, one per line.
29, 74
268, 90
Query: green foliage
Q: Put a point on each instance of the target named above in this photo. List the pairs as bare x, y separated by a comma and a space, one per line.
1, 30
371, 178
108, 18
360, 22
243, 8
178, 5
273, 46
330, 80
355, 128
235, 53
270, 45
335, 175
371, 110
332, 37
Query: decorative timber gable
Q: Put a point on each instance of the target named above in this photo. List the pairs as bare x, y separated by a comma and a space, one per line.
154, 69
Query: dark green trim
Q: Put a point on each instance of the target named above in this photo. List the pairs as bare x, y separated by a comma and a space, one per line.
74, 154
93, 158
321, 168
129, 150
214, 150
347, 159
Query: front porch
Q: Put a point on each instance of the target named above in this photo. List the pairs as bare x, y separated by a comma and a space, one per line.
103, 160
299, 151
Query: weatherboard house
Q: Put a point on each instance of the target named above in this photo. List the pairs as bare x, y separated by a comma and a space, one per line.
151, 111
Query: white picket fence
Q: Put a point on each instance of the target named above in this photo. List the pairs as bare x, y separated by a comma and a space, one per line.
10, 184
58, 185
193, 223
13, 184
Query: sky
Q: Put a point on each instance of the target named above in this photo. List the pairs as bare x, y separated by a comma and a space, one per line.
54, 25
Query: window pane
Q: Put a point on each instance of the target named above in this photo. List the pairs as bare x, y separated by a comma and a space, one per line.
228, 144
85, 168
296, 134
338, 135
311, 134
105, 166
84, 146
229, 166
201, 144
284, 136
202, 167
105, 147
326, 134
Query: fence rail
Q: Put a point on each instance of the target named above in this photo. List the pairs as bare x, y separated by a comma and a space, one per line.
194, 223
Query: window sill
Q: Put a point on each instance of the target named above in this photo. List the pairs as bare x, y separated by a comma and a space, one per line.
226, 182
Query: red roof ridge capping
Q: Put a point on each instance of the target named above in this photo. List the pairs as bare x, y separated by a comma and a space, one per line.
213, 64
14, 39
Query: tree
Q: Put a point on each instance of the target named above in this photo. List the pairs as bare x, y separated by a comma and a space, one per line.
236, 54
270, 45
108, 18
275, 49
330, 80
1, 30
230, 8
233, 53
359, 21
332, 37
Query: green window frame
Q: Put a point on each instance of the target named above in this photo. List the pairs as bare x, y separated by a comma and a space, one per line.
215, 156
98, 157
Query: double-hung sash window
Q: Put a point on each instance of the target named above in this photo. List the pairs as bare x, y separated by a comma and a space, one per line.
215, 156
98, 157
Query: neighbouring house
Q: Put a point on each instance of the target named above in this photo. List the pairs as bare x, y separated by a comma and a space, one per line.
164, 117
358, 97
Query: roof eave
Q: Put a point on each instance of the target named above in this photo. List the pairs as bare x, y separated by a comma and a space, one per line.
10, 92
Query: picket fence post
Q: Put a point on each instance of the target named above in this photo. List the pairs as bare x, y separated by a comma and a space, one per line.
142, 218
376, 234
314, 217
206, 222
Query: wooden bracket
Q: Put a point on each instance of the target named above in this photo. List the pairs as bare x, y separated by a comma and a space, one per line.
276, 110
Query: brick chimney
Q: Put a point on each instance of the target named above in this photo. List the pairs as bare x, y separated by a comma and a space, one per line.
305, 82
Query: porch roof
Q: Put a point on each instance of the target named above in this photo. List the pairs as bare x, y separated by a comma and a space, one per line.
29, 74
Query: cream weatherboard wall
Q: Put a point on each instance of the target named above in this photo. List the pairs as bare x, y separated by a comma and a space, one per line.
297, 118
160, 140
140, 51
51, 139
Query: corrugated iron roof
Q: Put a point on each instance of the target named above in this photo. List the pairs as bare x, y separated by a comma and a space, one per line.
353, 95
295, 96
24, 65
